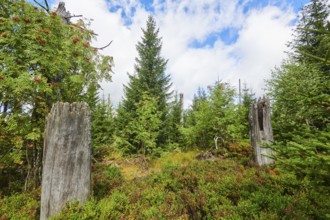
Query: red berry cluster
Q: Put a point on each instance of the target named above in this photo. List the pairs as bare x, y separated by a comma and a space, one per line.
75, 53
75, 40
86, 44
27, 20
15, 18
37, 79
54, 84
42, 41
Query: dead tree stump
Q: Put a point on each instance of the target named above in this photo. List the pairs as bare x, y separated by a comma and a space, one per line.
261, 131
66, 172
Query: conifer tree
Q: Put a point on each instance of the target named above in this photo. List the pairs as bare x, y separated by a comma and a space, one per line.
248, 97
300, 89
149, 78
103, 122
213, 115
311, 31
175, 120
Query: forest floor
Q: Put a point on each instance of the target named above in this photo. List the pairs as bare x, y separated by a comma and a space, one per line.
177, 185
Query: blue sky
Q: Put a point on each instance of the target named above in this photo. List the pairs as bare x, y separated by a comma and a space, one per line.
228, 35
203, 40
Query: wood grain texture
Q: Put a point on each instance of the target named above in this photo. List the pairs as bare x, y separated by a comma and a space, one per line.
261, 131
66, 172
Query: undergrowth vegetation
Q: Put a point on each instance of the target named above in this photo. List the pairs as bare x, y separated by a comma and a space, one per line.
178, 186
153, 159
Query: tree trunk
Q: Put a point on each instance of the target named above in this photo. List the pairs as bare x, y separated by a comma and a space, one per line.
66, 172
261, 131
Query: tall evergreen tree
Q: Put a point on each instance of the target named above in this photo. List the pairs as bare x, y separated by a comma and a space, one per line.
311, 31
151, 79
300, 89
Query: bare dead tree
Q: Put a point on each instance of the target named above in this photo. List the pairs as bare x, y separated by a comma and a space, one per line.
261, 132
66, 172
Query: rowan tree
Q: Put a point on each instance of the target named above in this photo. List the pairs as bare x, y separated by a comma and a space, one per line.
42, 60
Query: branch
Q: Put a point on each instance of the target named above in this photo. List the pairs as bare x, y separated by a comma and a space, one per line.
216, 141
41, 5
325, 60
47, 6
101, 48
73, 16
315, 31
3, 156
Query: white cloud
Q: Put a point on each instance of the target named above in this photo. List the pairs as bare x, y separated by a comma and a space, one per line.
263, 34
261, 45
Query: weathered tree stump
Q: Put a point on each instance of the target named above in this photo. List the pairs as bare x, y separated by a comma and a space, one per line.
66, 172
261, 131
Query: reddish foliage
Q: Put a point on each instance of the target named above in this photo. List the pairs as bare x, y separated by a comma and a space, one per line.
54, 84
75, 53
86, 44
37, 79
27, 20
15, 18
75, 40
4, 35
42, 41
2, 77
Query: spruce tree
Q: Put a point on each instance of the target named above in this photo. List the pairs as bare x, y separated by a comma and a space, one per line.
213, 115
149, 78
102, 123
175, 120
300, 89
311, 31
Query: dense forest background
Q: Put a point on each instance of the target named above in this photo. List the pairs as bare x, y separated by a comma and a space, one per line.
144, 151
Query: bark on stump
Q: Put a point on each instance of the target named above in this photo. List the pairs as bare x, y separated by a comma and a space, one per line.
261, 131
66, 158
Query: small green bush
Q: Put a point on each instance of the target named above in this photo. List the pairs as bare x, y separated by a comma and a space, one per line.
20, 206
112, 172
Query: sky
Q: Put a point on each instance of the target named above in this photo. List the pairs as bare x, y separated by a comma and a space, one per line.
203, 40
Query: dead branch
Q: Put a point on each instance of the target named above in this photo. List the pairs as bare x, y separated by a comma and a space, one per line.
101, 48
45, 8
73, 16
